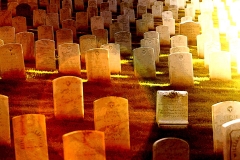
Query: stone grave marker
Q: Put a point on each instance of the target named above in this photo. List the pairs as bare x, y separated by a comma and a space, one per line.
92, 3
220, 66
82, 21
144, 62
79, 5
97, 65
111, 117
130, 12
65, 13
114, 28
222, 112
180, 69
97, 22
107, 16
167, 15
190, 11
186, 19
5, 136
19, 23
181, 49
171, 25
92, 11
101, 36
24, 10
45, 32
57, 2
68, 97
39, 17
67, 4
87, 144
164, 35
45, 54
112, 6
30, 137
69, 59
87, 42
32, 3
230, 131
52, 19
64, 35
104, 6
157, 11
70, 24
151, 34
148, 17
7, 34
12, 61
1, 42
114, 57
124, 5
191, 30
52, 8
172, 109
124, 19
153, 43
141, 27
26, 39
209, 48
11, 6
141, 9
174, 10
170, 148
179, 40
5, 18
124, 39
43, 3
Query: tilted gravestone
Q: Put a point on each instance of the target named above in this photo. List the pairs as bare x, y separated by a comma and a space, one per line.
87, 144
172, 109
111, 117
170, 148
12, 61
5, 136
30, 137
68, 97
222, 112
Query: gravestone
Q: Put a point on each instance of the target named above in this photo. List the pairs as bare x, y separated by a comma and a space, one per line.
170, 22
190, 11
151, 34
107, 18
70, 24
19, 23
144, 62
64, 36
157, 11
87, 42
5, 136
174, 10
52, 19
52, 8
141, 9
11, 6
87, 144
82, 21
24, 10
164, 35
179, 40
67, 4
124, 39
97, 22
180, 69
101, 36
167, 15
148, 17
12, 61
186, 19
222, 112
68, 97
97, 65
124, 19
114, 57
43, 3
45, 54
112, 6
104, 6
45, 32
7, 34
39, 17
65, 13
231, 134
170, 148
114, 28
111, 117
172, 109
191, 30
124, 5
92, 3
69, 59
92, 11
26, 39
182, 49
141, 27
210, 47
79, 5
30, 137
130, 12
57, 2
5, 18
153, 43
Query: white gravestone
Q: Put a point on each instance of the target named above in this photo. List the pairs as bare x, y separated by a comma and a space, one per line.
153, 43
164, 35
170, 22
179, 40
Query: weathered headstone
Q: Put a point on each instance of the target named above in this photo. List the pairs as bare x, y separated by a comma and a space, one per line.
45, 32
52, 19
124, 19
19, 23
114, 28
97, 65
180, 69
92, 3
170, 148
65, 13
97, 22
82, 21
70, 24
113, 6
64, 36
11, 6
130, 12
45, 54
148, 17
92, 11
69, 59
87, 144
174, 10
5, 136
5, 18
68, 97
30, 137
153, 43
79, 5
107, 16
124, 39
141, 27
222, 112
101, 35
111, 117
104, 6
170, 22
39, 17
141, 9
144, 62
87, 42
7, 34
157, 11
12, 61
67, 4
182, 49
167, 15
164, 35
179, 40
43, 3
52, 8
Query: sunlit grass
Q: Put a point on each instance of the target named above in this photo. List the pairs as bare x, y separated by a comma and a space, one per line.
160, 73
119, 76
150, 84
41, 71
126, 61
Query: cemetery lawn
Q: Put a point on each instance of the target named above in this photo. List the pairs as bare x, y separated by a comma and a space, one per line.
35, 95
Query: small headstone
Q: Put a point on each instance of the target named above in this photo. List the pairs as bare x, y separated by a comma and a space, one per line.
113, 6
65, 13
130, 12
153, 43
180, 69
111, 117
144, 62
167, 15
39, 17
141, 9
82, 21
182, 49
186, 19
107, 17
114, 28
45, 54
5, 18
52, 19
97, 65
114, 57
172, 109
97, 22
92, 3
12, 61
11, 6
64, 36
52, 8
171, 25
170, 148
67, 4
5, 136
148, 17
70, 24
179, 40
141, 27
164, 35
124, 19
92, 11
68, 97
57, 2
7, 34
87, 42
124, 39
101, 35
124, 5
45, 32
222, 112
69, 59
87, 144
174, 10
104, 6
19, 23
26, 39
30, 137
157, 11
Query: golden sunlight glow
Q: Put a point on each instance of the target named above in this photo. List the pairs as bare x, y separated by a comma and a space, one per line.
158, 72
125, 61
41, 72
119, 76
154, 84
